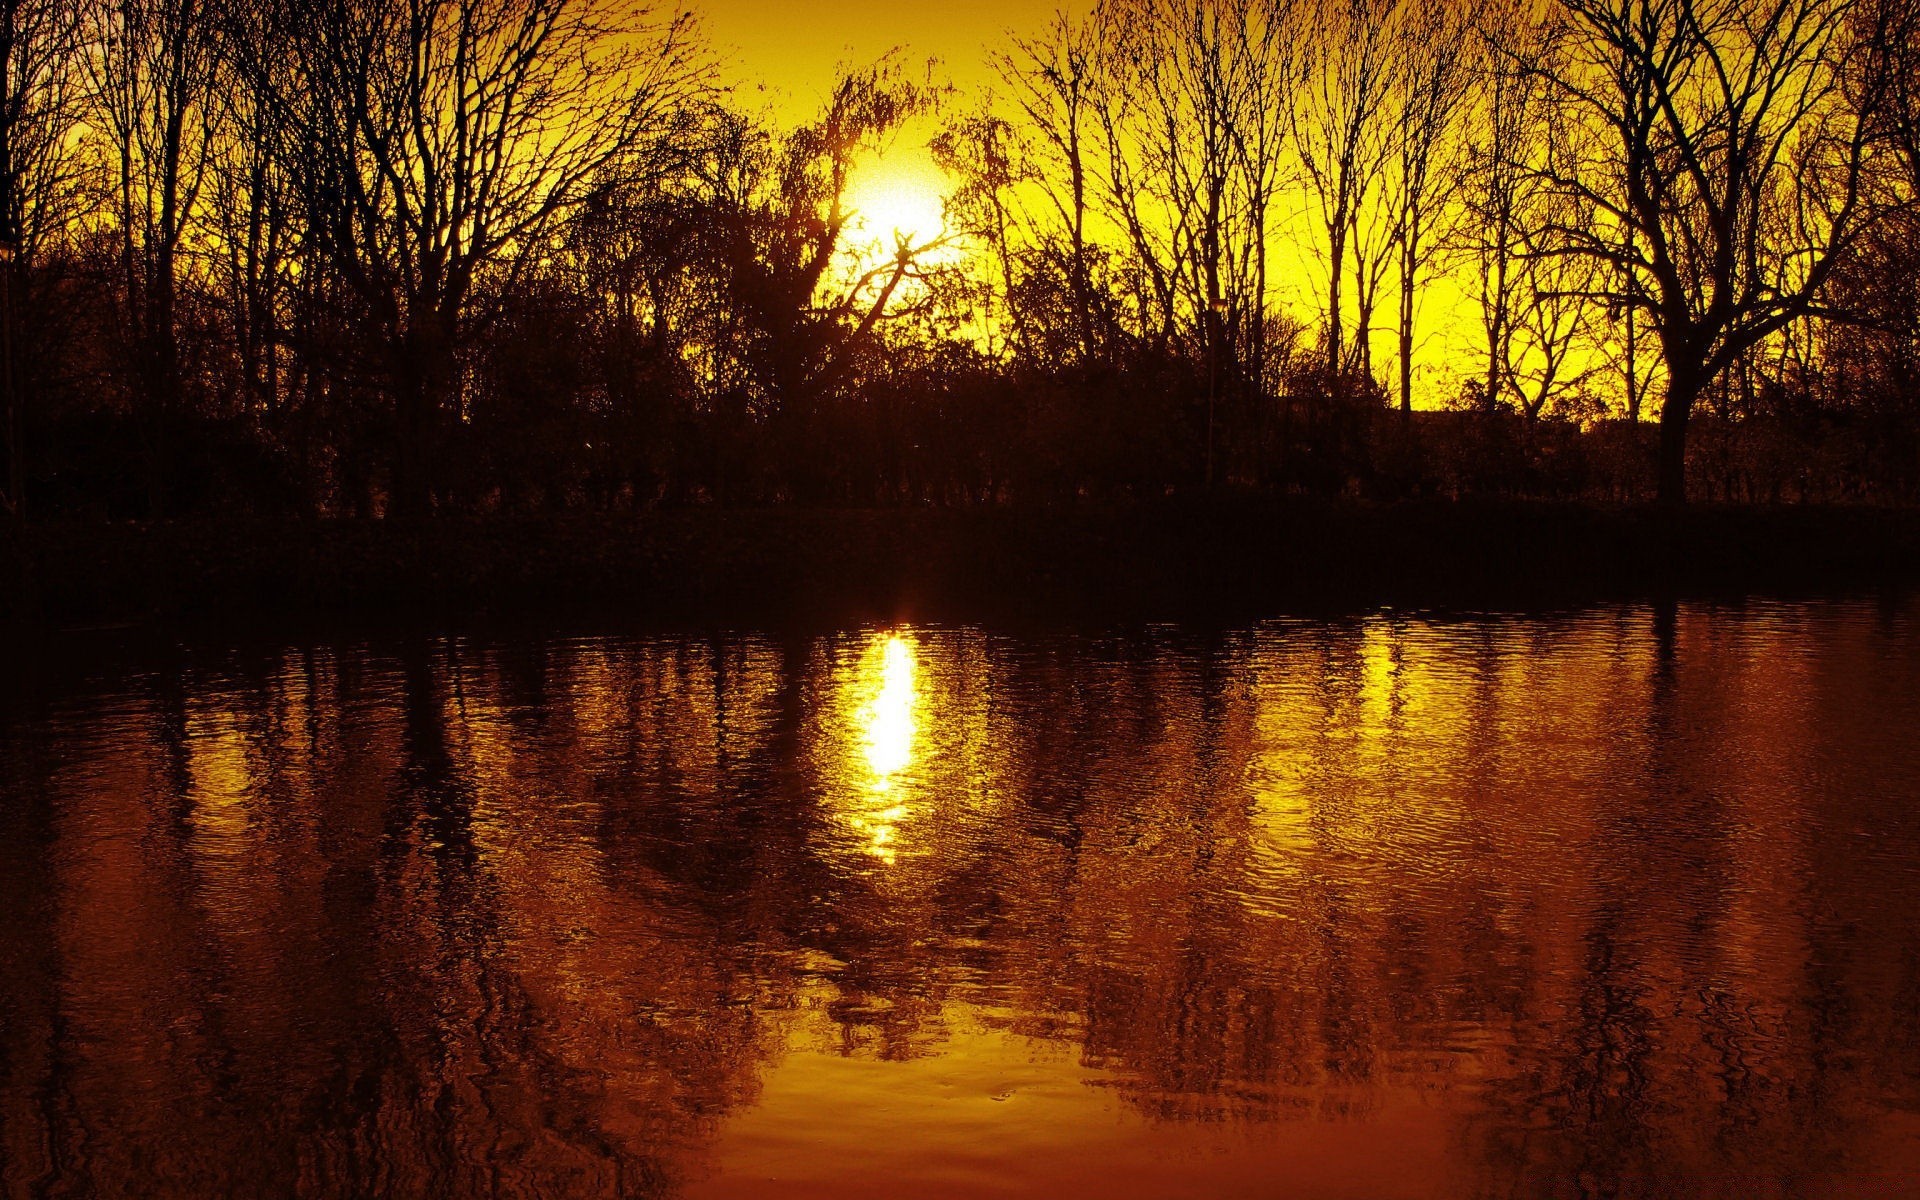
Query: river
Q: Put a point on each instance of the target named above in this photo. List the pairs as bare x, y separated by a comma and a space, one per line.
1618, 902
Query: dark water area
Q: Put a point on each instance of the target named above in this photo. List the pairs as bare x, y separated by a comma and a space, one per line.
1216, 560
1613, 903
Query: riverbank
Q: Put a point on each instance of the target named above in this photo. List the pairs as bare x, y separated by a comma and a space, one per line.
1147, 561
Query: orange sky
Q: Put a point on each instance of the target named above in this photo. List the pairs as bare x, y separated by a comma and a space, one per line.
791, 47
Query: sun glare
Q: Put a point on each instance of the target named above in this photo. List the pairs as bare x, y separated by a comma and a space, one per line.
889, 719
887, 726
898, 197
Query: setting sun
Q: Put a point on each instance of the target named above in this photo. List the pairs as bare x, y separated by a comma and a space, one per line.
898, 197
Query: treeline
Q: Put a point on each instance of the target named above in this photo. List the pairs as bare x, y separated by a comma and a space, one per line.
399, 257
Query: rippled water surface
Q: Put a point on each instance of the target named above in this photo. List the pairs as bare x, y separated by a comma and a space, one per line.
1615, 903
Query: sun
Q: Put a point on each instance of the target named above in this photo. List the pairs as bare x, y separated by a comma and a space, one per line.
899, 196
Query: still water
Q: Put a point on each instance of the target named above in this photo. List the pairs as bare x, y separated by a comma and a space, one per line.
1612, 903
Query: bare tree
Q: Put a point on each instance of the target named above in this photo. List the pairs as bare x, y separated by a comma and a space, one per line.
1343, 82
253, 204
1190, 67
41, 178
43, 184
153, 68
1547, 350
1724, 158
986, 156
1536, 302
1053, 81
1191, 110
1430, 99
1267, 48
440, 140
1136, 195
1501, 183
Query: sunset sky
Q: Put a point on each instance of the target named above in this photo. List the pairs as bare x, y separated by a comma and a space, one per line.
792, 47
791, 50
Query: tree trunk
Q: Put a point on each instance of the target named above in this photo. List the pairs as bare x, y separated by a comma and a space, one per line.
1082, 281
1683, 388
1406, 351
16, 460
10, 239
425, 370
1409, 270
1337, 245
163, 378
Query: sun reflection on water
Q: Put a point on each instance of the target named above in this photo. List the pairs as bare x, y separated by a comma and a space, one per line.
887, 726
889, 719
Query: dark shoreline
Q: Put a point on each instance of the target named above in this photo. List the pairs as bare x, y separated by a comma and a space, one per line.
1227, 559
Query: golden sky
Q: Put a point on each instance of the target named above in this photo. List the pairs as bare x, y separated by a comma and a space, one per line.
785, 54
792, 47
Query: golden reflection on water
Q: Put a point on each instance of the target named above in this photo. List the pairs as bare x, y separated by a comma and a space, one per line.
221, 791
889, 718
886, 714
1551, 907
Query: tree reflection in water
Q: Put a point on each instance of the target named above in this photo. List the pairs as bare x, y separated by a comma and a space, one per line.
1609, 904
